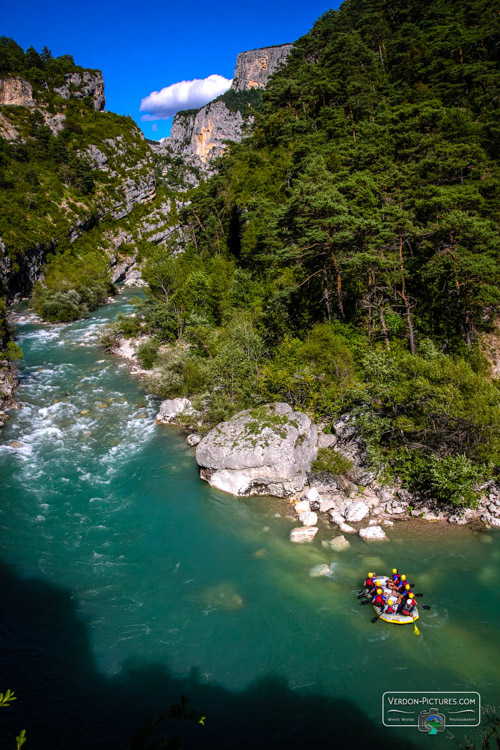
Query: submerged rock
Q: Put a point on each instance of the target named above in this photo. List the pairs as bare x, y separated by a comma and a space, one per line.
337, 543
193, 439
319, 570
303, 534
262, 451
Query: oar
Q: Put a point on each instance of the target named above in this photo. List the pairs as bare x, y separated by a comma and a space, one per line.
425, 606
374, 619
416, 631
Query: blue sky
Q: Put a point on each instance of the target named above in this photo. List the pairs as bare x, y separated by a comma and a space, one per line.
143, 49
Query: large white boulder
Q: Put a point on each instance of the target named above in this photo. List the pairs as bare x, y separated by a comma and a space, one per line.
173, 408
356, 512
262, 451
303, 534
372, 533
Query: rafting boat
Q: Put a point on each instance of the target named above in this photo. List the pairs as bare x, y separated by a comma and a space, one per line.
394, 618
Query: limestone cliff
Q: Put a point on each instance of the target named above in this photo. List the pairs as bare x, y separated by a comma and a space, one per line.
16, 92
199, 136
90, 166
253, 68
79, 85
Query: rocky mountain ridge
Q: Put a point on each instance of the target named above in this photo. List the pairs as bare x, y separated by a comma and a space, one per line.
199, 136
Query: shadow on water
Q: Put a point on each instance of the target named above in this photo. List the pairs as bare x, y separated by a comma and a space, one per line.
65, 703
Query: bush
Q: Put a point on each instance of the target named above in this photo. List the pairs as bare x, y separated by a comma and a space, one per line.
12, 352
146, 353
332, 461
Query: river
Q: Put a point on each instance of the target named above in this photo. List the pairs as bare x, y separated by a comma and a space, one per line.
127, 583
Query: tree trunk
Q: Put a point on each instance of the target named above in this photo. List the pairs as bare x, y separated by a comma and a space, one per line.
326, 295
403, 296
384, 328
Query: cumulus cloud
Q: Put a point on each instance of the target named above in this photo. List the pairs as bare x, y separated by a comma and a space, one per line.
160, 105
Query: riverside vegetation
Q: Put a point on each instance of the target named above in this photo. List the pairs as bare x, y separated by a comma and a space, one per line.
343, 258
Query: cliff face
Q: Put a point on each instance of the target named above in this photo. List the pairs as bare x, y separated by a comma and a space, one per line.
198, 136
91, 165
80, 85
16, 92
253, 68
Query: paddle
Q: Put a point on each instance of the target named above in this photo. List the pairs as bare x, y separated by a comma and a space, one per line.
374, 619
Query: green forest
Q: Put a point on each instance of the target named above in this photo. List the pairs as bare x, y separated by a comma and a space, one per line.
344, 258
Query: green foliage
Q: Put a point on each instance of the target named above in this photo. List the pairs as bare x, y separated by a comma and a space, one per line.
12, 352
146, 353
21, 739
432, 420
245, 102
73, 285
6, 698
332, 461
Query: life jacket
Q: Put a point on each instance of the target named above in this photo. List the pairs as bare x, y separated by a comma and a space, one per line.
379, 600
369, 583
397, 578
390, 610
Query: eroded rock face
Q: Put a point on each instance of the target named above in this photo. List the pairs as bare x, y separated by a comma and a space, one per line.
253, 68
263, 451
16, 92
80, 85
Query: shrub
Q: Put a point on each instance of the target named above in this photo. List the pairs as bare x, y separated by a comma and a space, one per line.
146, 353
332, 461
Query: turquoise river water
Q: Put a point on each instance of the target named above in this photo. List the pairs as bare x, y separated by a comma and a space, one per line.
127, 583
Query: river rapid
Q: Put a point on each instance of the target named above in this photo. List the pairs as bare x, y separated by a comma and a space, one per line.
128, 583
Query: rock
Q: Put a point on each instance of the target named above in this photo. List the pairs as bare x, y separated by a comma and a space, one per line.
303, 534
171, 409
302, 507
308, 519
335, 517
253, 68
395, 508
372, 533
319, 570
16, 92
327, 441
356, 511
81, 85
326, 504
346, 529
388, 523
373, 521
492, 520
193, 439
337, 543
264, 451
313, 495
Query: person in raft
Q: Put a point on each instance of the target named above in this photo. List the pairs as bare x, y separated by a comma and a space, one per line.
402, 583
408, 608
404, 596
370, 581
390, 609
379, 599
395, 580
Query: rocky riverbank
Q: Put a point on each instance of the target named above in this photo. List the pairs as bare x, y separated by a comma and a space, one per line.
270, 450
8, 384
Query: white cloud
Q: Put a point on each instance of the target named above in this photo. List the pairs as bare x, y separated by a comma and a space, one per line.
160, 105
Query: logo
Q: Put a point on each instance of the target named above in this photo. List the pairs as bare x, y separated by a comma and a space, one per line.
431, 722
